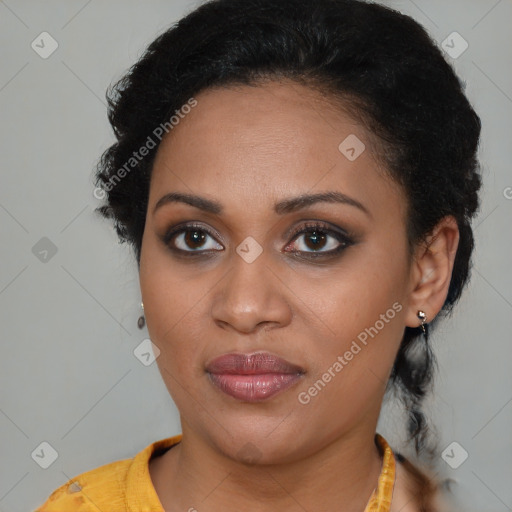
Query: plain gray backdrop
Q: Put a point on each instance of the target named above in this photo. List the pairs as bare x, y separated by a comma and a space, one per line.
69, 296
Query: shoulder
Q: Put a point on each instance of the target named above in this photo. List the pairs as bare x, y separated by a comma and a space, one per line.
121, 485
91, 490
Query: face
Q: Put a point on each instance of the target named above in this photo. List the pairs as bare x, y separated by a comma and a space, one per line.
277, 319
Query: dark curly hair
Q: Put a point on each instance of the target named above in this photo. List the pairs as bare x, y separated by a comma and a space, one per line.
375, 61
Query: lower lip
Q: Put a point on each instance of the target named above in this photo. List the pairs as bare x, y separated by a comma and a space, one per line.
254, 388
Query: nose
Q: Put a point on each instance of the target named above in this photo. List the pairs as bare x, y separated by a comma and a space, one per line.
251, 296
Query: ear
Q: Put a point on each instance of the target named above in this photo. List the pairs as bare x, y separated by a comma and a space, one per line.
431, 271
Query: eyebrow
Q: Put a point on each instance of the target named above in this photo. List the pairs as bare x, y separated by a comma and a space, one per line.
284, 206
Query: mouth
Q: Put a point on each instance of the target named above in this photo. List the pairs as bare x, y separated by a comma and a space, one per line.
253, 377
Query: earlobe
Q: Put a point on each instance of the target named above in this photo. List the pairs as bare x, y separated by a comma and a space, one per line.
431, 271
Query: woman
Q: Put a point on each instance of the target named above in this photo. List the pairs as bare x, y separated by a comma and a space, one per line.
297, 180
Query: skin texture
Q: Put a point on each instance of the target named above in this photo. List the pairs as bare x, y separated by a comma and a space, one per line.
247, 148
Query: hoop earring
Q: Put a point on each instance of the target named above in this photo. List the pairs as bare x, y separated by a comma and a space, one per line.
424, 325
141, 322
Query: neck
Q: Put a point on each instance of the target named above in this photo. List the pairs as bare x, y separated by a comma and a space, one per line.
340, 476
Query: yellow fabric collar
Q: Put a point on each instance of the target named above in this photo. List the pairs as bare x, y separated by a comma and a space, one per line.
126, 484
380, 500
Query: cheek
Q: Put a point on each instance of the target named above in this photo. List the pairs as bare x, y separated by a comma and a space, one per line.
350, 369
172, 303
360, 318
174, 327
175, 322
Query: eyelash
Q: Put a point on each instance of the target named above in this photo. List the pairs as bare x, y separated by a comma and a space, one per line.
343, 238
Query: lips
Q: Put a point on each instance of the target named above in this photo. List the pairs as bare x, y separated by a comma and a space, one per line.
253, 377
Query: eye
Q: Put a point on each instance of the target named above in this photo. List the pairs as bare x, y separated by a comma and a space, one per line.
319, 240
191, 238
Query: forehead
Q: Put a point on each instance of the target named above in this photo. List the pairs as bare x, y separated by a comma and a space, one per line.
273, 140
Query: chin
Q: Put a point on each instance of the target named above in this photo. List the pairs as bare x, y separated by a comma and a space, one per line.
262, 441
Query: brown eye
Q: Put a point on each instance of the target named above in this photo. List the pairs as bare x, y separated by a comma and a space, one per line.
191, 238
317, 239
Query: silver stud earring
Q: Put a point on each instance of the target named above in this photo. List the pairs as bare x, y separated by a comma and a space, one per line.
141, 322
423, 317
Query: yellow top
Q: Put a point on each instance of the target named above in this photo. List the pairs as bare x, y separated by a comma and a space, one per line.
126, 486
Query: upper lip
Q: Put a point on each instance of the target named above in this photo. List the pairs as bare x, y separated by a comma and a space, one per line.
255, 363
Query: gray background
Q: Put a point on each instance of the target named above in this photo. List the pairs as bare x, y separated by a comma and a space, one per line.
68, 374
